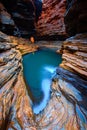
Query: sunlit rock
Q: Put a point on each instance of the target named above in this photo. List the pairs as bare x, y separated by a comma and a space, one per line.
67, 108
15, 109
75, 54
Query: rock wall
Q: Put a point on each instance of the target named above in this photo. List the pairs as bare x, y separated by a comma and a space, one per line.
68, 95
7, 24
15, 109
75, 54
76, 17
51, 21
17, 17
67, 107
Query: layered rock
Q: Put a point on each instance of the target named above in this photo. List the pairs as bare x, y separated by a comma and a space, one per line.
75, 54
51, 21
67, 108
15, 109
76, 17
21, 15
7, 24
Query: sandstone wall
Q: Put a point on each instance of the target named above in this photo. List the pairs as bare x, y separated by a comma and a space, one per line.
51, 21
75, 54
15, 109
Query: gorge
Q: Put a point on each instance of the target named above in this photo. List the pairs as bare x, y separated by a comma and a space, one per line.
66, 108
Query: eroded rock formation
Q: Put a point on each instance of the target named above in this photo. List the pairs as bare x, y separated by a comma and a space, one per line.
51, 21
15, 109
67, 108
75, 54
76, 17
7, 24
18, 17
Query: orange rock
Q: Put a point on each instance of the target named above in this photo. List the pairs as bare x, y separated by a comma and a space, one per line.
32, 39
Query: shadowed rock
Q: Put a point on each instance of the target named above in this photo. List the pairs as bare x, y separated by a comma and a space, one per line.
76, 17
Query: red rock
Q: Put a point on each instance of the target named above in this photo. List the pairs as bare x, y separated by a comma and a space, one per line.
51, 21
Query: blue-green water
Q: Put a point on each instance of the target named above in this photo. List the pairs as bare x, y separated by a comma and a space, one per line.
39, 68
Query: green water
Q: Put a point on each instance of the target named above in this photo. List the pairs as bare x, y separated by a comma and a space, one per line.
39, 68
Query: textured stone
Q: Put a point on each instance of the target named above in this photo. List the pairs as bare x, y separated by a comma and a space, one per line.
7, 24
15, 109
75, 54
51, 21
76, 17
21, 15
67, 107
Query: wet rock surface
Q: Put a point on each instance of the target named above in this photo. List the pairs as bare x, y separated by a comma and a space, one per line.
76, 17
51, 21
67, 108
75, 54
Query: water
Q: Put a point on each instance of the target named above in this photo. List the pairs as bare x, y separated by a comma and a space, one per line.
39, 68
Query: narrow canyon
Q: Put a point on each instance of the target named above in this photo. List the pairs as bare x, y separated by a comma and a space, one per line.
60, 26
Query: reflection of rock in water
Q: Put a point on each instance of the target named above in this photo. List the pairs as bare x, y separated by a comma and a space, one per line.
67, 108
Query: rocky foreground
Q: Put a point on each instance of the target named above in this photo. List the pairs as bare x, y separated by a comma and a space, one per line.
67, 107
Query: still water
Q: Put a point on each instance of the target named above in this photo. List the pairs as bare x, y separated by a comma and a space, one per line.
39, 68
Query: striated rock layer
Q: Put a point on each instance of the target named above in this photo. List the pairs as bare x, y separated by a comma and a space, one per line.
15, 109
75, 54
51, 21
17, 17
66, 109
7, 24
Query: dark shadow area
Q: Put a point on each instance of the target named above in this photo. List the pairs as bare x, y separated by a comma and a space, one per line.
24, 14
